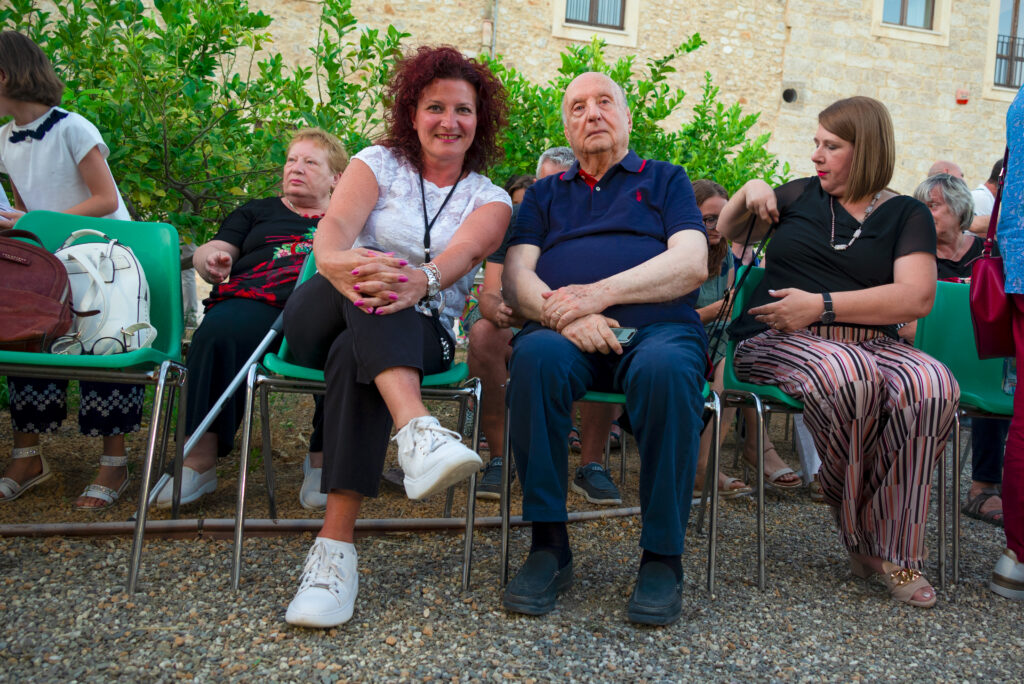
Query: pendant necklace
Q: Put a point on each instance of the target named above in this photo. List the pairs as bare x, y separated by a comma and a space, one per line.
306, 216
856, 233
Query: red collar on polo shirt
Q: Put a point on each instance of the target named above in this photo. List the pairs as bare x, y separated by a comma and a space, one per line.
631, 162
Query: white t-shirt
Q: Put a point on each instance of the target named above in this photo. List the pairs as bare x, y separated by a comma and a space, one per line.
984, 200
396, 222
45, 172
4, 204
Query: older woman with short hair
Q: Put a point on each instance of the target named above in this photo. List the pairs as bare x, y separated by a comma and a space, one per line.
848, 261
253, 263
952, 207
407, 227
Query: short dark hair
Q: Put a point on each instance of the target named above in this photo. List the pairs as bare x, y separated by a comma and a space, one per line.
865, 123
420, 69
30, 76
519, 181
997, 169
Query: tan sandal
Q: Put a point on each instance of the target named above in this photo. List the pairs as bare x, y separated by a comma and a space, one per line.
902, 583
10, 489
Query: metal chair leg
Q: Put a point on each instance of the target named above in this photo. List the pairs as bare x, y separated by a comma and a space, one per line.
467, 554
955, 502
147, 471
243, 471
268, 453
943, 494
715, 460
506, 496
760, 427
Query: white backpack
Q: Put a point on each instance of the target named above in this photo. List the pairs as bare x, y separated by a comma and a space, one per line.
107, 279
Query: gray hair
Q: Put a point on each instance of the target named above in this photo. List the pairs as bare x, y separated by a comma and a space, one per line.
618, 88
559, 156
955, 194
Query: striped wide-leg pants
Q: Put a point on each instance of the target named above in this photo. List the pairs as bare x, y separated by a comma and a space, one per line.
879, 411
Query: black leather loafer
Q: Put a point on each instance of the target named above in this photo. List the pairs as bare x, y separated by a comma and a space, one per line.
535, 588
657, 597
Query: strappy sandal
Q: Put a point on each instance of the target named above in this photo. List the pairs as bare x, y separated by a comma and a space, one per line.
815, 491
972, 508
902, 583
105, 494
10, 489
615, 435
574, 440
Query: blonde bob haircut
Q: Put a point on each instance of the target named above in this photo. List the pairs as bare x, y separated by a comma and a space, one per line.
337, 157
864, 123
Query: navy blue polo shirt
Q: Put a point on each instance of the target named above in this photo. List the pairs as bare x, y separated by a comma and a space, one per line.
589, 229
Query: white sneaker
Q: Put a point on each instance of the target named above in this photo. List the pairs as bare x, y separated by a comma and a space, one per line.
1008, 576
328, 586
193, 485
310, 496
433, 457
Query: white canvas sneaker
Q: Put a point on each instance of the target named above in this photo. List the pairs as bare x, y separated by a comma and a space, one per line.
433, 457
1008, 576
328, 586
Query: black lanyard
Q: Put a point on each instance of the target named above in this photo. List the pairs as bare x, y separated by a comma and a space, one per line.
427, 226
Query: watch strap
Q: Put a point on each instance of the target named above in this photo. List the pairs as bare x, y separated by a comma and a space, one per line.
829, 314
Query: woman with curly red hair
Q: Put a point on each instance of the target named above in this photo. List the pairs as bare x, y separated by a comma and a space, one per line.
407, 226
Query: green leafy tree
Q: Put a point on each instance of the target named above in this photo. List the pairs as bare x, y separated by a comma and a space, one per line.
197, 108
715, 143
194, 106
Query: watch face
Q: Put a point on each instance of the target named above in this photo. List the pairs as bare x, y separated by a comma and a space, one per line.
828, 317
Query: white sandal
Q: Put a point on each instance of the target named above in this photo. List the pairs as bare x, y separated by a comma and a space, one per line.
11, 490
106, 494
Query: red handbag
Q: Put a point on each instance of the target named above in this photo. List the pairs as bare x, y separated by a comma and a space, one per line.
991, 308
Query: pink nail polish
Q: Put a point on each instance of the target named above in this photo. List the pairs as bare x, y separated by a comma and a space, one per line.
393, 297
369, 310
356, 287
355, 271
403, 262
371, 253
379, 312
403, 279
389, 254
359, 302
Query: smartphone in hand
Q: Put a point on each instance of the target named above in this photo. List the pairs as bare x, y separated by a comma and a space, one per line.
624, 335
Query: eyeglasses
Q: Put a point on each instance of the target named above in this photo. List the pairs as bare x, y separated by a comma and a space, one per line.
710, 220
71, 345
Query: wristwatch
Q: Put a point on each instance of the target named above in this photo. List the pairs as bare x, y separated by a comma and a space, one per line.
433, 282
828, 316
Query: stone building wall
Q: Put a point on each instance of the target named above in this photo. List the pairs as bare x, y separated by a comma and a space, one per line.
757, 48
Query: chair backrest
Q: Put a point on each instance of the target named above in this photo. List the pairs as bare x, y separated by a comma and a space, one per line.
155, 246
947, 335
308, 271
730, 381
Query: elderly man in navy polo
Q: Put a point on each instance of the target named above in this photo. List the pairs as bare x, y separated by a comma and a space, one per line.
614, 242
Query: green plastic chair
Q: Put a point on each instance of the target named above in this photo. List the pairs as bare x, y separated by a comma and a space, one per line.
711, 403
156, 247
947, 335
279, 372
765, 399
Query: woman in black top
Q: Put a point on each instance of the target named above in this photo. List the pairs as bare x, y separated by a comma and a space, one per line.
850, 260
253, 262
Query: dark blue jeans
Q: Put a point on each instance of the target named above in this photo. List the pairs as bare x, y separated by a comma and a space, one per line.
662, 376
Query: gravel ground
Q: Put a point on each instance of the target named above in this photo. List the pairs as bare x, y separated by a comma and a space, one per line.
67, 618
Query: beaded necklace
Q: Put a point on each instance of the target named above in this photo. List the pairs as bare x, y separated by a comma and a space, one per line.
856, 233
